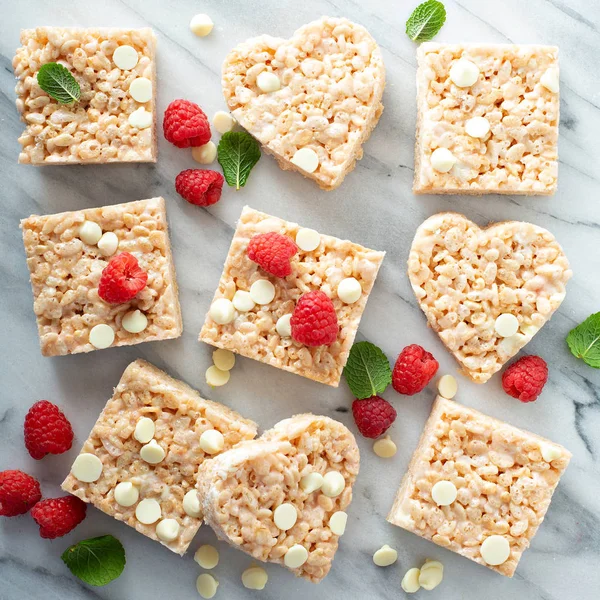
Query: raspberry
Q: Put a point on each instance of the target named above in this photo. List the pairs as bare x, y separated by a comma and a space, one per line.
525, 378
57, 516
121, 279
413, 370
18, 493
47, 430
314, 322
373, 416
200, 187
185, 124
273, 252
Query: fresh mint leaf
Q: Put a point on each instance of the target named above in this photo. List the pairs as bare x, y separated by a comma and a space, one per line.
58, 83
96, 561
238, 152
426, 20
367, 371
584, 341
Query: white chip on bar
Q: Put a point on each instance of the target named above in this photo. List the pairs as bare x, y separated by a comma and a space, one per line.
506, 325
222, 311
312, 482
495, 550
242, 301
191, 504
125, 57
108, 243
285, 516
87, 468
144, 430
464, 73
284, 325
268, 82
141, 90
126, 494
550, 80
167, 530
134, 321
148, 511
101, 336
306, 159
90, 232
549, 453
152, 452
308, 239
212, 441
262, 291
442, 160
349, 290
477, 127
443, 493
296, 556
333, 484
337, 522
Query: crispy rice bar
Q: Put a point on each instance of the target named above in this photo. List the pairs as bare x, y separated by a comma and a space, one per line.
253, 334
519, 155
180, 416
240, 489
332, 79
95, 129
464, 277
504, 483
65, 272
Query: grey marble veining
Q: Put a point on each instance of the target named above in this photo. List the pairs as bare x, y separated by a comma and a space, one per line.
375, 207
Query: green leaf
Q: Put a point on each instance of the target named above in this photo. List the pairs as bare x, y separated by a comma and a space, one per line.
238, 152
96, 561
58, 82
367, 371
584, 341
426, 20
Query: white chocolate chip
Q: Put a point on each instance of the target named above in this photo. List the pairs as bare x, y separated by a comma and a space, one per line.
308, 239
431, 574
506, 325
90, 232
207, 585
306, 159
284, 325
135, 321
285, 516
125, 57
223, 359
223, 121
201, 25
333, 484
495, 550
549, 453
349, 290
207, 556
255, 578
148, 511
442, 160
447, 386
464, 73
191, 504
337, 522
215, 377
141, 90
296, 556
101, 336
242, 301
410, 581
443, 493
385, 556
312, 482
141, 118
385, 447
108, 243
144, 430
268, 82
126, 494
550, 80
212, 441
87, 468
477, 127
262, 291
205, 155
222, 311
167, 530
152, 452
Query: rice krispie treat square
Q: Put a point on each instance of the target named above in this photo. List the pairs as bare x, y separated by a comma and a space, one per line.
115, 117
66, 254
487, 119
478, 486
140, 460
260, 305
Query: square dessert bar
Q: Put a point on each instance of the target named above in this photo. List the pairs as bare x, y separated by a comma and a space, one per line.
500, 478
114, 119
487, 119
156, 498
65, 263
258, 330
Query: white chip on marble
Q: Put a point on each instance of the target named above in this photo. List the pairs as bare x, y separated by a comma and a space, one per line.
410, 581
333, 484
442, 160
285, 516
306, 159
223, 359
447, 386
126, 494
152, 452
308, 239
141, 90
242, 301
212, 441
167, 530
148, 511
101, 336
443, 493
268, 82
255, 578
207, 556
222, 311
90, 232
108, 243
431, 574
385, 447
144, 430
135, 321
207, 586
262, 291
206, 154
87, 468
223, 121
349, 290
550, 80
296, 556
464, 73
191, 504
337, 522
506, 325
125, 57
385, 556
201, 25
215, 377
284, 325
477, 127
312, 482
495, 550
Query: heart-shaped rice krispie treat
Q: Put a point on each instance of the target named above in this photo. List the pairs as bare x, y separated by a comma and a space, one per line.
323, 98
276, 498
465, 278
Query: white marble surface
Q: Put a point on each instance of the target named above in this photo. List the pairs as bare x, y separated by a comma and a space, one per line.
375, 207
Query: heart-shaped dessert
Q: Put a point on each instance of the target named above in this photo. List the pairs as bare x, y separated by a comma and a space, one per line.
276, 498
486, 292
312, 100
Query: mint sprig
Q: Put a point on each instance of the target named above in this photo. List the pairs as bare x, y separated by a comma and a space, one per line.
367, 371
584, 341
96, 561
58, 83
426, 20
238, 152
